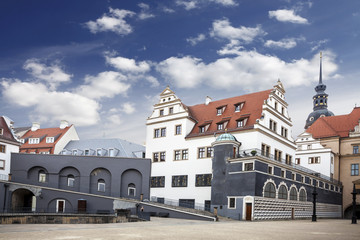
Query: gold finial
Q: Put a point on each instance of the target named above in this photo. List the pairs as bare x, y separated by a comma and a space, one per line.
320, 54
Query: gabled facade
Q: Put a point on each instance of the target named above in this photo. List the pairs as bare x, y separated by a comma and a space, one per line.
179, 137
47, 140
104, 147
8, 144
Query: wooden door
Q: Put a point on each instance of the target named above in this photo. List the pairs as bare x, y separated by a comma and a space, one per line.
61, 206
248, 211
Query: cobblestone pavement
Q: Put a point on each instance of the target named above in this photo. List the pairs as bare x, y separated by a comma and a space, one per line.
166, 228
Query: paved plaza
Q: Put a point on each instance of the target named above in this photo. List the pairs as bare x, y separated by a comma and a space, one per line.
163, 228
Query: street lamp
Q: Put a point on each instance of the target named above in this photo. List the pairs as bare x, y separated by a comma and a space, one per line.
314, 204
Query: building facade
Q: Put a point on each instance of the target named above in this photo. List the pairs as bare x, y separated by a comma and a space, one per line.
8, 144
179, 137
58, 183
104, 147
48, 140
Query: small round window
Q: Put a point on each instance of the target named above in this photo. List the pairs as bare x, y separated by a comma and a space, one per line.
322, 115
311, 119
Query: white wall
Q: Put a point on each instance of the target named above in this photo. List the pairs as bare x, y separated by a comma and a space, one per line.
9, 148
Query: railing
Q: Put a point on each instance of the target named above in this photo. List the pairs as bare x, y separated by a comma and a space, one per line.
178, 203
258, 152
39, 211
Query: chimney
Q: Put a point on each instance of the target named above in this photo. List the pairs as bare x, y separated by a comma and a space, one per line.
63, 124
207, 100
35, 126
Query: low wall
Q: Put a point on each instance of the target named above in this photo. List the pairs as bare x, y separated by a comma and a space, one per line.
61, 219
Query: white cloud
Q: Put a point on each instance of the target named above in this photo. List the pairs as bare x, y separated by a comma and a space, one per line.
223, 29
318, 44
168, 10
144, 13
113, 21
286, 43
285, 15
226, 2
53, 74
51, 105
128, 108
195, 40
153, 81
188, 5
232, 48
105, 84
127, 65
249, 70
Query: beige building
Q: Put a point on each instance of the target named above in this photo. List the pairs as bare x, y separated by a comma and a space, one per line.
342, 135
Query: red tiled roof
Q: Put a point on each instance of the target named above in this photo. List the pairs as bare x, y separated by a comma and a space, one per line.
335, 126
205, 114
42, 133
6, 135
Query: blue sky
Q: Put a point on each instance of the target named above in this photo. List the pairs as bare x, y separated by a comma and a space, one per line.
102, 64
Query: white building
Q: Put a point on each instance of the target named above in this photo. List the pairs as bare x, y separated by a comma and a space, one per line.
8, 144
312, 155
179, 137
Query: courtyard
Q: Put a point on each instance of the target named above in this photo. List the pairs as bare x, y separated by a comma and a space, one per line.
170, 228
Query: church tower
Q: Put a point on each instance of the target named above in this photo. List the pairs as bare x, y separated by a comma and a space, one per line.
319, 101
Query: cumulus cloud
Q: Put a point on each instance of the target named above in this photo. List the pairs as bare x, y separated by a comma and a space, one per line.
285, 15
53, 75
127, 65
114, 21
226, 2
285, 43
249, 70
128, 108
195, 40
188, 5
223, 29
105, 84
51, 105
144, 13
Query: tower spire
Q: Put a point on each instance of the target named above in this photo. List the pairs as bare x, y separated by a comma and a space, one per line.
320, 76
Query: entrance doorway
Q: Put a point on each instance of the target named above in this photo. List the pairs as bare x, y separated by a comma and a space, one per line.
23, 200
60, 206
248, 211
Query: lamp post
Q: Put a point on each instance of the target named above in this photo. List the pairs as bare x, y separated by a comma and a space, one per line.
353, 219
314, 205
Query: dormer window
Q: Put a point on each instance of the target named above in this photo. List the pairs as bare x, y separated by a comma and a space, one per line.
111, 152
1, 131
220, 126
161, 113
220, 110
74, 152
241, 122
239, 106
22, 140
87, 152
202, 129
34, 140
49, 139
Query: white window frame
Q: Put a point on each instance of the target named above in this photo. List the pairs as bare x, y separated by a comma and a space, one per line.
70, 181
57, 205
1, 131
42, 177
111, 150
97, 152
270, 167
2, 164
234, 207
50, 139
86, 152
245, 163
101, 186
34, 140
132, 188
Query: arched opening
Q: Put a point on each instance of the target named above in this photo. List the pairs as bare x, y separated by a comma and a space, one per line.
349, 212
69, 178
131, 182
283, 193
100, 181
269, 190
132, 190
302, 195
293, 194
23, 200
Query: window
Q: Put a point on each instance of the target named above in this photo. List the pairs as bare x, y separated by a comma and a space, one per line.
101, 185
302, 179
209, 152
87, 152
203, 180
162, 157
232, 202
185, 154
302, 195
297, 161
277, 155
309, 147
355, 169
270, 170
49, 139
177, 129
284, 132
282, 173
155, 157
156, 133
218, 111
171, 110
131, 190
70, 180
60, 206
237, 107
293, 176
111, 152
201, 152
74, 152
314, 160
269, 190
201, 129
98, 152
157, 182
177, 155
283, 193
34, 140
220, 126
248, 166
293, 194
179, 181
2, 164
1, 131
240, 123
2, 148
265, 150
272, 125
355, 149
163, 132
42, 176
276, 106
161, 112
282, 110
288, 159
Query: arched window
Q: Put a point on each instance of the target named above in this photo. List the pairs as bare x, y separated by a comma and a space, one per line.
283, 193
131, 190
70, 180
269, 190
42, 176
293, 194
302, 195
101, 185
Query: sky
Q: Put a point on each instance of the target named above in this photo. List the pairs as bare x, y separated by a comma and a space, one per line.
101, 65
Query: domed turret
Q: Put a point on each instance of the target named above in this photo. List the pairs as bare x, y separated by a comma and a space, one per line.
225, 137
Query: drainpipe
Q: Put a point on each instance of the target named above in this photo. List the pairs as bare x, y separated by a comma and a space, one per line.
5, 195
